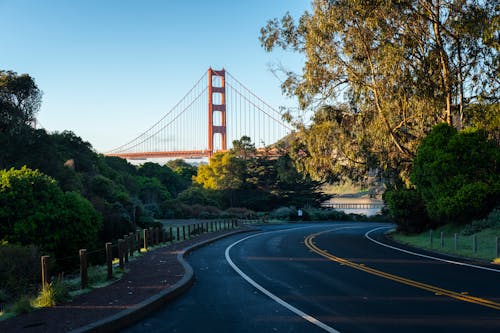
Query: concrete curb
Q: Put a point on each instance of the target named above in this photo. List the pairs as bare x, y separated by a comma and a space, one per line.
139, 311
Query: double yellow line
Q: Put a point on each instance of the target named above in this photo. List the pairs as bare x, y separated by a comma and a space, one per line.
309, 241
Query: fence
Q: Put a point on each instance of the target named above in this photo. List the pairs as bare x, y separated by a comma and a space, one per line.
482, 247
139, 241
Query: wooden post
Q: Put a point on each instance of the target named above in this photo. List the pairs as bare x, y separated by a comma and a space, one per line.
45, 270
125, 247
109, 259
184, 232
178, 233
171, 235
83, 269
151, 236
120, 253
145, 235
189, 230
138, 240
131, 243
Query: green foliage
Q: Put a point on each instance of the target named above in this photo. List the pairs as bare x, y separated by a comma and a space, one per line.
401, 66
491, 221
282, 213
20, 100
258, 183
317, 214
457, 174
22, 305
166, 177
34, 210
198, 195
238, 212
19, 269
406, 208
184, 170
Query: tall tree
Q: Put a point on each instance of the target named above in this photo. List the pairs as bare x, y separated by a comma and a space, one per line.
20, 100
399, 66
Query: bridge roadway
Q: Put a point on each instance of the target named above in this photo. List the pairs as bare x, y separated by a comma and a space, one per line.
189, 154
328, 277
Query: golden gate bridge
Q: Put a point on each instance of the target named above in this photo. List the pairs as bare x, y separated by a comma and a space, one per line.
215, 111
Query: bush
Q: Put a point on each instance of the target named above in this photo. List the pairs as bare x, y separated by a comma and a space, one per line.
22, 305
282, 213
492, 221
239, 213
318, 214
457, 174
34, 210
406, 208
205, 212
19, 269
51, 294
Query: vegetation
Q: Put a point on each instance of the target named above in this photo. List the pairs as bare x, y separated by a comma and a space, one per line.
244, 179
455, 179
457, 174
379, 75
407, 90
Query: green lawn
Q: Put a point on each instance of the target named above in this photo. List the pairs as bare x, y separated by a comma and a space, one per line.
485, 240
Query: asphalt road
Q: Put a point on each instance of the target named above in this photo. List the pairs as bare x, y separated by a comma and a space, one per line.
328, 277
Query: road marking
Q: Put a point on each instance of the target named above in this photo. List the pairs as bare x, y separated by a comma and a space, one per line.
436, 290
266, 292
367, 235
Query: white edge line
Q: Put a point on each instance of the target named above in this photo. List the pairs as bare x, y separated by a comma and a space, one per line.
266, 292
367, 235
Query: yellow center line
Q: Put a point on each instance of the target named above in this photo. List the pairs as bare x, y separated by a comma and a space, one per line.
436, 290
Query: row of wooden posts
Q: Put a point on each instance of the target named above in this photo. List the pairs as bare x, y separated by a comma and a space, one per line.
140, 240
455, 239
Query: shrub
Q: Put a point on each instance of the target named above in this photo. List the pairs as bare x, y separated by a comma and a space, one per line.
238, 212
51, 294
19, 269
491, 221
282, 213
457, 174
34, 210
406, 208
22, 305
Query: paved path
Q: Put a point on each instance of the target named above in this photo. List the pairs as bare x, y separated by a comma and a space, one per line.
335, 280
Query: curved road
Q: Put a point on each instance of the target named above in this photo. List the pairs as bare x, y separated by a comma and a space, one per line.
328, 277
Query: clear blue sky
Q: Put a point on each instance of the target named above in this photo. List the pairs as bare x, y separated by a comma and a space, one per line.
110, 69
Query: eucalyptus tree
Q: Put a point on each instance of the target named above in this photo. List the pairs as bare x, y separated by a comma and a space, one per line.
394, 68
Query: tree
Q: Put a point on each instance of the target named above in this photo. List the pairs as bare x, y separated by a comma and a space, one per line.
184, 170
20, 100
400, 67
257, 183
34, 210
168, 178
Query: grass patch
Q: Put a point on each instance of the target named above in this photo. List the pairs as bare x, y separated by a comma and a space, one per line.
485, 240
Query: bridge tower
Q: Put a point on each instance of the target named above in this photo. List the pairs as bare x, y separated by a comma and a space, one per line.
220, 91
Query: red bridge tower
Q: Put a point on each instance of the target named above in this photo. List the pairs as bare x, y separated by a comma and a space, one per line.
220, 90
